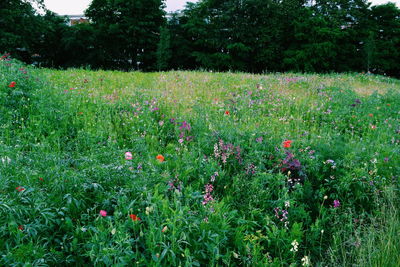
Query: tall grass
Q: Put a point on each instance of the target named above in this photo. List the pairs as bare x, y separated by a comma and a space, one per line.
375, 241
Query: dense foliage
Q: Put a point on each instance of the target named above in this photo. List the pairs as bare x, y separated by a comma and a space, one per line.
237, 35
197, 169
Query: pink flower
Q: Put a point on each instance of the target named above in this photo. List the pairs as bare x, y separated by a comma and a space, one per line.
128, 156
103, 213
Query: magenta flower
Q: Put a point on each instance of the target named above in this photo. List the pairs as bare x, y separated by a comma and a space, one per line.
128, 156
336, 203
103, 213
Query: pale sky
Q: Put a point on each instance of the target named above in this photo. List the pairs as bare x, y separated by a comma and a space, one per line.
76, 7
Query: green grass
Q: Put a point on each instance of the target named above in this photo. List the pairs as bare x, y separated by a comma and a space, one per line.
64, 135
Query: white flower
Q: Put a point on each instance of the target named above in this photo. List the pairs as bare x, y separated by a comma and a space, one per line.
305, 261
5, 160
295, 246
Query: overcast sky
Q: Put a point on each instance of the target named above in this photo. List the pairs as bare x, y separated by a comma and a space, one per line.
76, 7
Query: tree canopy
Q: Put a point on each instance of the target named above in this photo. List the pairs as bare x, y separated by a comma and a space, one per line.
237, 35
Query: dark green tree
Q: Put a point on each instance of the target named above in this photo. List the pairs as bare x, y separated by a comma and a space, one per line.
20, 28
164, 50
386, 30
127, 32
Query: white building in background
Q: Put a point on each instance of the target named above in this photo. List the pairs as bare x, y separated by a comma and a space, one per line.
76, 19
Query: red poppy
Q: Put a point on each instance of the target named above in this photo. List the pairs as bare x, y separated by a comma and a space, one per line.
21, 227
41, 179
287, 143
12, 84
160, 158
227, 112
20, 189
134, 217
370, 114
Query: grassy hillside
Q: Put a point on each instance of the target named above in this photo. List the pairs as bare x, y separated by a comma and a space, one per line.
196, 168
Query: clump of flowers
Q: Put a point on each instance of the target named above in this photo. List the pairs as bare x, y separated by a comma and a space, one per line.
251, 169
185, 129
208, 197
292, 167
282, 215
225, 151
12, 84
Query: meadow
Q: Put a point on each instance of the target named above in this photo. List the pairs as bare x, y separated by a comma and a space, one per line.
198, 168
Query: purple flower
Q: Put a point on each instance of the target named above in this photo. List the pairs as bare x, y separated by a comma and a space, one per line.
336, 203
259, 139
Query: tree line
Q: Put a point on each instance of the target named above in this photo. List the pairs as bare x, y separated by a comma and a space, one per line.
221, 35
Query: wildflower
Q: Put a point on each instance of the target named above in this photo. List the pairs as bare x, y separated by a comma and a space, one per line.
165, 228
41, 179
259, 139
160, 158
134, 217
373, 127
208, 197
128, 156
287, 143
370, 114
227, 112
6, 160
305, 261
386, 159
103, 213
180, 141
20, 189
336, 203
209, 188
12, 84
295, 246
21, 227
213, 176
149, 210
161, 123
185, 126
